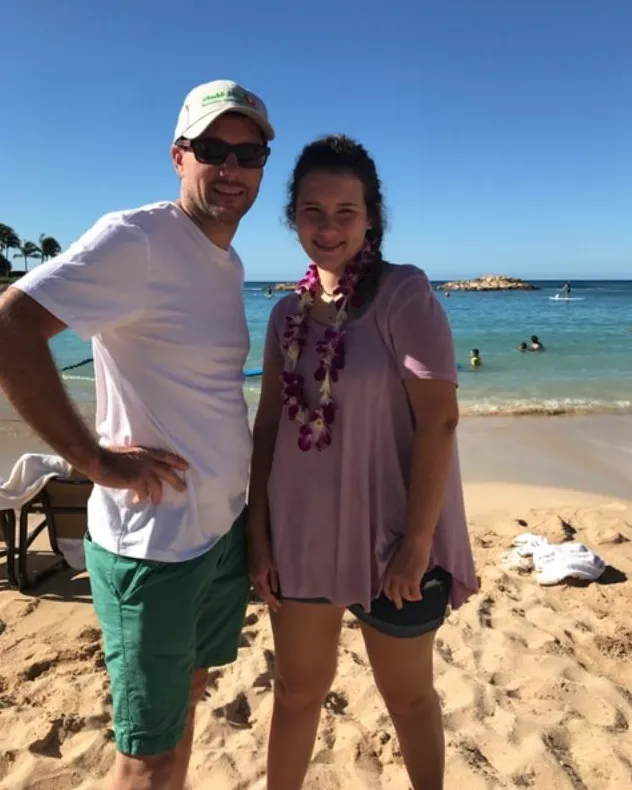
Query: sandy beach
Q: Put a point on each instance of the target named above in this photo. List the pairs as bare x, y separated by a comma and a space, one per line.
536, 682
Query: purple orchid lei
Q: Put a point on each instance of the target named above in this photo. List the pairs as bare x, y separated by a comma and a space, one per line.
316, 424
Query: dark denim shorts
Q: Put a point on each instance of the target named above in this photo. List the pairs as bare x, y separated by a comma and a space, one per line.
414, 618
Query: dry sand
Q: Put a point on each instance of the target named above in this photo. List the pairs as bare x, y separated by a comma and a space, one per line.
536, 682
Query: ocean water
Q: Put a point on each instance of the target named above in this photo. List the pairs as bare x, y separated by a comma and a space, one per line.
587, 366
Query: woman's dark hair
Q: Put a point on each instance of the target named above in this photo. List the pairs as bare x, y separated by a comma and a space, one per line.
335, 154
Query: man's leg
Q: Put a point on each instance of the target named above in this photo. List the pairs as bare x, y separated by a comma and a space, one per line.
183, 750
222, 610
169, 769
147, 612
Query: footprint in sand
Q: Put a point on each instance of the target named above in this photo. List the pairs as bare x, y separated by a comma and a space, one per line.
251, 619
237, 713
523, 780
7, 759
90, 648
367, 761
568, 530
621, 723
618, 648
555, 742
50, 744
445, 651
38, 668
212, 682
264, 680
213, 677
355, 657
485, 612
31, 606
325, 743
247, 638
477, 760
336, 703
89, 634
626, 694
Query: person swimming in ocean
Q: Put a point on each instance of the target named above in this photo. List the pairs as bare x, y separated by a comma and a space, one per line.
523, 347
475, 358
535, 344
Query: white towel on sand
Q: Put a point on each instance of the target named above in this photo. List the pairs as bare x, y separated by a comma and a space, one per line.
27, 478
554, 562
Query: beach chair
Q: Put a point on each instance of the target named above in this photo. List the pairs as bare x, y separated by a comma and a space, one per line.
62, 504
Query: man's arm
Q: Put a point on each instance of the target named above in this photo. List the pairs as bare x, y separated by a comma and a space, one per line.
31, 382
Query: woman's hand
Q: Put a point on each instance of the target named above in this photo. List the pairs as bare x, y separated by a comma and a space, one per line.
262, 569
402, 580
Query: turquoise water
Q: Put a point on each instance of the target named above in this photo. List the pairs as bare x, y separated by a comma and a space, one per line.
587, 365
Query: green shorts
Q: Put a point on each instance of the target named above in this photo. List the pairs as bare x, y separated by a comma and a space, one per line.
161, 621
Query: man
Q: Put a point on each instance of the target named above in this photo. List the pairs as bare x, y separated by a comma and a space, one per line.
159, 291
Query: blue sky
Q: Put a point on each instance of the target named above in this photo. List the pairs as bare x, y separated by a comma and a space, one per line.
502, 129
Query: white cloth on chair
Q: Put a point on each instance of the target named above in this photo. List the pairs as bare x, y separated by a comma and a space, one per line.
27, 478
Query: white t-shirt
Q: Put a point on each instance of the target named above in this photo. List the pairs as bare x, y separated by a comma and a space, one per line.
164, 309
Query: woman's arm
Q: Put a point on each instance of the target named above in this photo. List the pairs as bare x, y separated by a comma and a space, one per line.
436, 414
424, 353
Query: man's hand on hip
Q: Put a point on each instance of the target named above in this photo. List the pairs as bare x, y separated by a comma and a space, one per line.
142, 470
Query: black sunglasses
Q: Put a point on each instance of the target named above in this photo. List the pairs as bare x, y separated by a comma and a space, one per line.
212, 151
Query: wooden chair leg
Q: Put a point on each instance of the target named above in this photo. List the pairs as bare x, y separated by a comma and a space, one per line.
23, 548
7, 520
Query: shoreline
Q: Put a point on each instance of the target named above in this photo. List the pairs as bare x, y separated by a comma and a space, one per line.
469, 408
577, 452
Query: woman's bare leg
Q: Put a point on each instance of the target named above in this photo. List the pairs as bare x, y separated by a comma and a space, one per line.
306, 647
403, 672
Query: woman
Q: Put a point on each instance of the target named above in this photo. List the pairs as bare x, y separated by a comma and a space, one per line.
355, 498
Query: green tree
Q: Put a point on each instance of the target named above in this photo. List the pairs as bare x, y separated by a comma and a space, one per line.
27, 250
5, 266
48, 247
9, 239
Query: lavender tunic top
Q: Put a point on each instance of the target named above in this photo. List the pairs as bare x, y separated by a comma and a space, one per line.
338, 515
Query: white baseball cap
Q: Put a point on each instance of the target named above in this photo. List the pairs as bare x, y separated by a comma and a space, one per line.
205, 103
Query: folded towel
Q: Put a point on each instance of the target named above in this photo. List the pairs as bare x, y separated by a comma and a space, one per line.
553, 562
29, 475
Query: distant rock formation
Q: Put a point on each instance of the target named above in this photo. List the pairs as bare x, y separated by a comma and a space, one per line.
284, 287
489, 282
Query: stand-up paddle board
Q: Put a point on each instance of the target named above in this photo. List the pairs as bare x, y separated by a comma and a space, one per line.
558, 298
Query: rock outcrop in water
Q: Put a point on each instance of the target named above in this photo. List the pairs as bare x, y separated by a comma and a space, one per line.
489, 282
